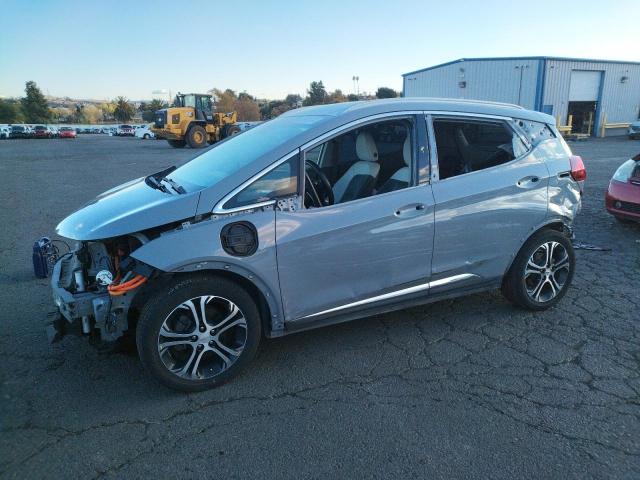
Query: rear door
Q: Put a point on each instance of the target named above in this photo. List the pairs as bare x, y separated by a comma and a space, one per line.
490, 191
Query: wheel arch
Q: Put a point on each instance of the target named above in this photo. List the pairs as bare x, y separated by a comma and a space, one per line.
271, 315
557, 224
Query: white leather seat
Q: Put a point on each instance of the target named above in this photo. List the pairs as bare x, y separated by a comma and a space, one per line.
359, 180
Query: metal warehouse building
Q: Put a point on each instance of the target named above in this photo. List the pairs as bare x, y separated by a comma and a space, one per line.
585, 96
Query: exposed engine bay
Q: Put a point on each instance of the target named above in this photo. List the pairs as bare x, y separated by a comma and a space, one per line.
94, 286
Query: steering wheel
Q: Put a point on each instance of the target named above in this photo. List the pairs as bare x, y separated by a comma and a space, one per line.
317, 186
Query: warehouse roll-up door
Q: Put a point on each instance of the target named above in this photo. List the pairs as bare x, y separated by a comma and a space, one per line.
585, 86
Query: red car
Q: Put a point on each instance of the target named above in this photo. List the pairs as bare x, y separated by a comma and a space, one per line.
40, 131
68, 132
623, 195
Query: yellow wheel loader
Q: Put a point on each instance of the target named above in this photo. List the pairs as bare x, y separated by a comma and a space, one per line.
193, 122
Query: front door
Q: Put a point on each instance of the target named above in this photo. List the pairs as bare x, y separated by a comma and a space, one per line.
374, 244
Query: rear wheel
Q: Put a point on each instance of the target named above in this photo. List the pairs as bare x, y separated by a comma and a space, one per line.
542, 271
177, 143
198, 333
197, 137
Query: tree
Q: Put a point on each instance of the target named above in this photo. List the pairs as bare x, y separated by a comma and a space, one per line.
336, 97
246, 105
225, 100
247, 108
293, 100
316, 95
9, 111
34, 105
107, 110
61, 114
92, 113
386, 92
148, 110
352, 97
124, 111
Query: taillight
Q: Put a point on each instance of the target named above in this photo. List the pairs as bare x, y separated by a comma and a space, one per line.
578, 172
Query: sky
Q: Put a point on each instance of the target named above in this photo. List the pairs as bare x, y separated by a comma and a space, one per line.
102, 49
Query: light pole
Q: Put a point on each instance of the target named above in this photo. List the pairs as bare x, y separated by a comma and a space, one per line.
356, 85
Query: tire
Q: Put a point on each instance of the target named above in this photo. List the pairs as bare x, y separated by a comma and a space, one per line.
171, 311
197, 137
231, 130
177, 143
146, 136
535, 282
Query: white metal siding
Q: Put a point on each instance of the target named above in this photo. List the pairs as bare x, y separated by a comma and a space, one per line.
494, 80
584, 86
620, 101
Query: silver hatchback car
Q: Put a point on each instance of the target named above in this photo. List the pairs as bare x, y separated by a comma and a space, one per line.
323, 215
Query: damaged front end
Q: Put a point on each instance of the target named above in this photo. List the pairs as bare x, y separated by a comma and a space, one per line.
94, 287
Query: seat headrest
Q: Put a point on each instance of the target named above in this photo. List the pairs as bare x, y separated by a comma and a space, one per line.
406, 151
366, 147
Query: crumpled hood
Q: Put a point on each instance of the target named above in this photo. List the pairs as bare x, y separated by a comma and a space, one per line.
128, 208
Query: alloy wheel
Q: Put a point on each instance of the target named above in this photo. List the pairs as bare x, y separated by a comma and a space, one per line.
202, 337
547, 271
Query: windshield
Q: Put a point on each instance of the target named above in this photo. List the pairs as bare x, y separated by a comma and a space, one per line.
237, 152
189, 101
628, 169
17, 129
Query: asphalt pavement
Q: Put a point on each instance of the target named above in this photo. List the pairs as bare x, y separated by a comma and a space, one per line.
465, 388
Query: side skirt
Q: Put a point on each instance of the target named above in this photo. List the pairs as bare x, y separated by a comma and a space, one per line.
384, 307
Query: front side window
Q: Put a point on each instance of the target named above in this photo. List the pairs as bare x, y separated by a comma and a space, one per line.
470, 145
369, 160
280, 182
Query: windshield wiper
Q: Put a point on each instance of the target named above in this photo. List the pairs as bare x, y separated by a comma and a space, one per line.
174, 185
155, 183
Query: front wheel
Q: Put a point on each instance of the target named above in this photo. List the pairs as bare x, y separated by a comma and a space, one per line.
541, 272
198, 332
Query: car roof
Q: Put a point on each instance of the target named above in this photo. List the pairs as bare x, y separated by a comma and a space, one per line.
372, 107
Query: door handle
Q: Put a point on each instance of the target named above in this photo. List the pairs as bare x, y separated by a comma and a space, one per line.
414, 208
527, 182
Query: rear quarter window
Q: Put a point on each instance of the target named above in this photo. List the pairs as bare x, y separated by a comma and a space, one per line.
535, 132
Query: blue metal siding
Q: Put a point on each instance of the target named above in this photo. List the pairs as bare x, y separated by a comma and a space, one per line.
495, 80
620, 101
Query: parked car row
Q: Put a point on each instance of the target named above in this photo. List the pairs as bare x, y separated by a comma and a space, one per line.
50, 131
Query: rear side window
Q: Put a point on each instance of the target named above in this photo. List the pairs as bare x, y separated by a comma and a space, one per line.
280, 182
536, 132
470, 145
